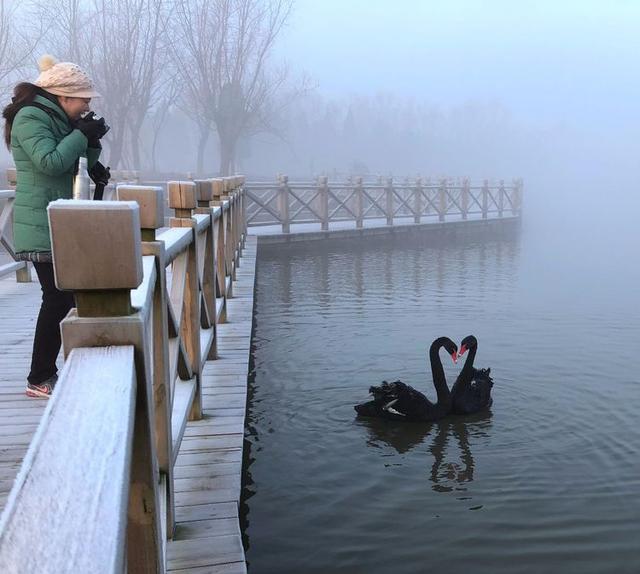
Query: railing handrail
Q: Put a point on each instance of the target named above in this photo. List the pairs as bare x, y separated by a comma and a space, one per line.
170, 334
95, 402
283, 203
21, 268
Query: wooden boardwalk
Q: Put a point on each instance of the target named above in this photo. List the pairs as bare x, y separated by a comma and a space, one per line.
208, 468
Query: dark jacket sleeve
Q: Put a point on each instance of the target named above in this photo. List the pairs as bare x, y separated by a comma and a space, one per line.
32, 130
92, 156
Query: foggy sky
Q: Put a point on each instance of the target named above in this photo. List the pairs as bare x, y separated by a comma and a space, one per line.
549, 62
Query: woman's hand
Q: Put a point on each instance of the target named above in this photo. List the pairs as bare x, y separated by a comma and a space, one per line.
94, 129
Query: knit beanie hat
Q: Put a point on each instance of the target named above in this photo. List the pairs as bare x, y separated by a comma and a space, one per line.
64, 79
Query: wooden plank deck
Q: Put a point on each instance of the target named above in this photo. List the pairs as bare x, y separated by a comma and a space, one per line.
208, 468
209, 465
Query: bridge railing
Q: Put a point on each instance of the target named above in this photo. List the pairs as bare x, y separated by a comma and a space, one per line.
285, 203
21, 268
98, 476
7, 197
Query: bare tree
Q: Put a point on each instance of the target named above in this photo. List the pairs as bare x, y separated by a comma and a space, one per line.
159, 114
67, 23
222, 50
16, 49
195, 50
125, 52
119, 42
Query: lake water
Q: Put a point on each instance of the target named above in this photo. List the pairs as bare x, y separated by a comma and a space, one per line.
548, 481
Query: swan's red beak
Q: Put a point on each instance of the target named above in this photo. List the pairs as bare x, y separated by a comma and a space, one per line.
454, 356
462, 350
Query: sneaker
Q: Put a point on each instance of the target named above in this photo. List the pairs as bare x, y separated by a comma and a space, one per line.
42, 390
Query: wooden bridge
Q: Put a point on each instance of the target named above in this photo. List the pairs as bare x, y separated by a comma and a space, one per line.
134, 464
286, 207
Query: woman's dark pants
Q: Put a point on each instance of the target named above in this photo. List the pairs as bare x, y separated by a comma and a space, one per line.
47, 340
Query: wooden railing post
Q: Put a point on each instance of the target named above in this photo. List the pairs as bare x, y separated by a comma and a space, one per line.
427, 189
517, 197
283, 202
442, 199
227, 207
389, 200
23, 274
485, 198
323, 195
359, 202
221, 239
465, 197
12, 177
209, 265
501, 198
237, 229
22, 268
243, 210
110, 233
229, 252
151, 202
182, 199
417, 201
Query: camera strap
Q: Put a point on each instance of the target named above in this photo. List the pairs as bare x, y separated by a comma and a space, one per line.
53, 113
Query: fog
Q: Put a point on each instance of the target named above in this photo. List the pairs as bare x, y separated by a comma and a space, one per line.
541, 90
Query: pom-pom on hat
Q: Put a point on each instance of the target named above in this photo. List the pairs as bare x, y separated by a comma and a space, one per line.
64, 79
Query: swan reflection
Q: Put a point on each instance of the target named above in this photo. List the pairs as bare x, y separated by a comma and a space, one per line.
452, 464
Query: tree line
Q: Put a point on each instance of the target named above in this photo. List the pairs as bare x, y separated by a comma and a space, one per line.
209, 60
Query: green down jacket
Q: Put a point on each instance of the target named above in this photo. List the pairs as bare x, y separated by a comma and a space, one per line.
45, 149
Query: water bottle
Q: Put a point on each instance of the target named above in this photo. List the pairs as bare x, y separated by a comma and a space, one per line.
81, 181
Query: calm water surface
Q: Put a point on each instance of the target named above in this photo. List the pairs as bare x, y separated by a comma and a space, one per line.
548, 481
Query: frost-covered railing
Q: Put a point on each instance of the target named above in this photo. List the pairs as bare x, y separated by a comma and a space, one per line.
285, 203
7, 198
95, 492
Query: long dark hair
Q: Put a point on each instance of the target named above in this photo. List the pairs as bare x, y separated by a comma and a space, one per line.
24, 93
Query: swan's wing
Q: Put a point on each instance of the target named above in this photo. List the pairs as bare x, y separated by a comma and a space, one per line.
387, 392
390, 408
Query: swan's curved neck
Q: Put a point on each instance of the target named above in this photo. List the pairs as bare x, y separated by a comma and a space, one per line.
437, 372
467, 369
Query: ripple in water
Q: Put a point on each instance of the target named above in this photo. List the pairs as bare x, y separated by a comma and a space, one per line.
546, 482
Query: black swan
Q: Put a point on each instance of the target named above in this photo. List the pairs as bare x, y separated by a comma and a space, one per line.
471, 393
400, 402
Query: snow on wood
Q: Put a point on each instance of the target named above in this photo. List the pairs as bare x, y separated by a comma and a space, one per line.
96, 244
142, 296
184, 393
175, 241
67, 511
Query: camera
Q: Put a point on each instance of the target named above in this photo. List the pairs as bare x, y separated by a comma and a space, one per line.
91, 117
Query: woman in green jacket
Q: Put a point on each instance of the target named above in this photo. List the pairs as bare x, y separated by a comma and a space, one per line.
47, 134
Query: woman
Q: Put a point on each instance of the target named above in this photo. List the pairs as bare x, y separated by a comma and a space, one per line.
46, 134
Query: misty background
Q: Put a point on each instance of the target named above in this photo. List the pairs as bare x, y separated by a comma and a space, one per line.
542, 90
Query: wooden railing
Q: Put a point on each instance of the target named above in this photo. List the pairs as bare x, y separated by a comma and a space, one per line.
285, 203
95, 492
7, 198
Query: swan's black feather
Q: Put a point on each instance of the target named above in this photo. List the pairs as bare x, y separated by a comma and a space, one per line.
396, 401
477, 395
